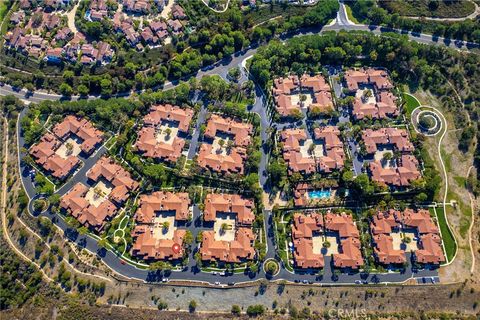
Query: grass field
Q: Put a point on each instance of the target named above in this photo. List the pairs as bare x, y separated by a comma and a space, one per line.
426, 8
448, 240
410, 103
350, 14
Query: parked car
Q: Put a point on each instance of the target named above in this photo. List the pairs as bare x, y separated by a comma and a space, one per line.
165, 280
217, 283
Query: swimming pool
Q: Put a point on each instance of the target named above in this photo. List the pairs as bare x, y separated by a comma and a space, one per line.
319, 194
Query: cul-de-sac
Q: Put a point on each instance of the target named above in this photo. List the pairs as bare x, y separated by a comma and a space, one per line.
173, 159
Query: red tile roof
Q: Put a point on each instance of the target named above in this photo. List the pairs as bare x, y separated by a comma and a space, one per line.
386, 254
332, 159
241, 131
394, 136
146, 246
378, 78
82, 128
167, 112
400, 176
178, 202
229, 203
121, 179
231, 163
430, 249
238, 250
75, 203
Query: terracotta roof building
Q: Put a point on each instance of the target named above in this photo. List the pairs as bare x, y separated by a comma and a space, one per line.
150, 142
44, 155
94, 206
227, 158
119, 178
428, 248
303, 229
296, 152
419, 220
240, 247
241, 132
81, 128
402, 175
162, 201
376, 77
229, 203
150, 240
384, 251
383, 106
397, 138
315, 86
52, 151
349, 255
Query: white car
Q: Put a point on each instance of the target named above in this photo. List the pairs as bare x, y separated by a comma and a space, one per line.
165, 280
217, 283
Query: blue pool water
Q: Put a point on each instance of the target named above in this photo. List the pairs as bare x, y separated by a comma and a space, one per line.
319, 194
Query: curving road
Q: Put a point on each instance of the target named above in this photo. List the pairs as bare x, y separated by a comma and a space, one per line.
191, 272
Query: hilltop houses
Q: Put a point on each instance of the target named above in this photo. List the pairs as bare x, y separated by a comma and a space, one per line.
157, 229
232, 237
57, 151
223, 150
323, 153
391, 228
163, 133
372, 93
93, 205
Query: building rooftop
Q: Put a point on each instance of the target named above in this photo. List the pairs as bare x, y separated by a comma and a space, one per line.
329, 157
376, 77
240, 131
238, 250
229, 203
399, 176
428, 248
229, 162
167, 112
398, 138
55, 151
94, 206
82, 128
383, 249
163, 201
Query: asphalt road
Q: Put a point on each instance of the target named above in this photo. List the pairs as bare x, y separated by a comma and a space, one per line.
191, 272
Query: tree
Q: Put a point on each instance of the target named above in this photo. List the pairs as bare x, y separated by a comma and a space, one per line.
192, 305
188, 238
39, 205
69, 147
165, 225
236, 310
255, 310
311, 148
162, 305
65, 89
83, 90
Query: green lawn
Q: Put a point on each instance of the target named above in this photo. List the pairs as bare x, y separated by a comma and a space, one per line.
448, 240
410, 103
350, 14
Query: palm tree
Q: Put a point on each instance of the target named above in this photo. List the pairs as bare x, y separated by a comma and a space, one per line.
165, 225
69, 147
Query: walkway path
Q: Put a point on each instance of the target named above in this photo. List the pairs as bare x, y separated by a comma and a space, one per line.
444, 170
71, 18
4, 204
472, 223
205, 2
